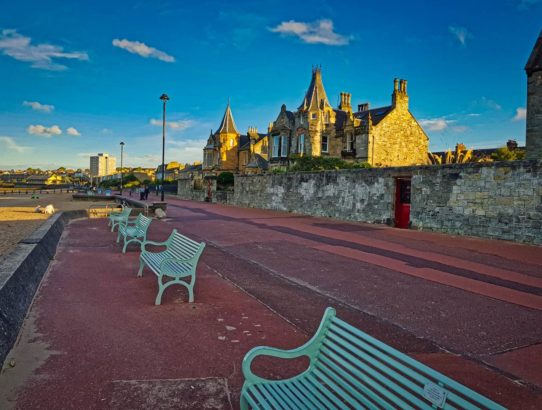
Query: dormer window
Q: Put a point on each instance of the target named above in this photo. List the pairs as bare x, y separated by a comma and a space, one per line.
313, 115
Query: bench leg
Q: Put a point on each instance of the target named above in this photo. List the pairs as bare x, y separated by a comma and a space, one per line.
161, 288
190, 288
141, 266
118, 236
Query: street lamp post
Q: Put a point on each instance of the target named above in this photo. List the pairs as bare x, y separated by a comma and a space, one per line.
121, 168
164, 99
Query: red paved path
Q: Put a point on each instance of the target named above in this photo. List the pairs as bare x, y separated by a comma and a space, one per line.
424, 293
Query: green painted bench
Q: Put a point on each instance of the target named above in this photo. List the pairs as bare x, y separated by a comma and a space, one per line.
116, 218
177, 263
134, 231
351, 370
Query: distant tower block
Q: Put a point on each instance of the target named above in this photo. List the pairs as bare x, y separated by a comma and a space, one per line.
534, 102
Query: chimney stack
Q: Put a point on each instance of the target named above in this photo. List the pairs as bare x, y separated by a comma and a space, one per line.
345, 104
399, 98
363, 107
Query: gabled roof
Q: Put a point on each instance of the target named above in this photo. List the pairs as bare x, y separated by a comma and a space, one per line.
377, 114
535, 60
227, 124
244, 141
316, 94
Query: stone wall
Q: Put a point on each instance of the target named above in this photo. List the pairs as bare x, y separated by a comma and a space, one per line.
185, 190
495, 200
534, 116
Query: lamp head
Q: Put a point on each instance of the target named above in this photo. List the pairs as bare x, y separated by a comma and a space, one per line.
122, 143
164, 97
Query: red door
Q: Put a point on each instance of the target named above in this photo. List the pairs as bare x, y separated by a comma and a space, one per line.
402, 203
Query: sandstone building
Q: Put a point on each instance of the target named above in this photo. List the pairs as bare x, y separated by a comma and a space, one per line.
384, 136
229, 150
533, 68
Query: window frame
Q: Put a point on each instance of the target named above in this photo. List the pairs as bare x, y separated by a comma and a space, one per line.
327, 144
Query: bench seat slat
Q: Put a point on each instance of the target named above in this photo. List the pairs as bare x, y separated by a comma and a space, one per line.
393, 368
260, 398
313, 389
297, 388
270, 397
385, 380
335, 402
347, 393
424, 372
367, 381
357, 381
291, 389
281, 396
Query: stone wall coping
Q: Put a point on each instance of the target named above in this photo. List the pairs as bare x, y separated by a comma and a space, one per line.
413, 169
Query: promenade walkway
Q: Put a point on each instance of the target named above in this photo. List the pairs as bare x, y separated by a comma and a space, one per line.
468, 307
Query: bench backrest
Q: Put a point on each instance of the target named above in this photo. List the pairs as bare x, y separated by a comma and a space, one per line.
377, 375
179, 246
126, 211
142, 224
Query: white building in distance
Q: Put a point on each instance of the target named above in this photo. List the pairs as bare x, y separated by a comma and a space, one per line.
102, 164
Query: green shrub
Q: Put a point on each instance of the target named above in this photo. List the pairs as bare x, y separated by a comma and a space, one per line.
307, 163
225, 179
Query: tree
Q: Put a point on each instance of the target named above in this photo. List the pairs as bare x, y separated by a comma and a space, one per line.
461, 155
510, 152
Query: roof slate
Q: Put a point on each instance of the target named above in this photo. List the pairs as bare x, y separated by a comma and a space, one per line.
227, 124
377, 114
535, 60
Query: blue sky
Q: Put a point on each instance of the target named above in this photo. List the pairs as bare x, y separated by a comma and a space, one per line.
76, 78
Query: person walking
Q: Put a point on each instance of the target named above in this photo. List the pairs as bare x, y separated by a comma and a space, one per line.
141, 193
147, 191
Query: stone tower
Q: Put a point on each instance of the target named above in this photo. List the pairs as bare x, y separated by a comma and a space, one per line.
228, 140
533, 69
316, 112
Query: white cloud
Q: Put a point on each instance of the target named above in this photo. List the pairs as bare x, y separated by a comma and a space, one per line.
317, 32
459, 128
179, 125
521, 114
10, 143
39, 106
435, 124
143, 50
40, 56
73, 132
461, 33
44, 131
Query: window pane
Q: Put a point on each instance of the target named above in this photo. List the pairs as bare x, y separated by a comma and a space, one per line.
276, 146
324, 143
284, 149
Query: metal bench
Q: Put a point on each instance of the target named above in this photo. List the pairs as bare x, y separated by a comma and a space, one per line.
134, 231
350, 369
177, 264
115, 218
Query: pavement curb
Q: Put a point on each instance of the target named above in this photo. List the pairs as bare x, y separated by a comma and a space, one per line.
21, 272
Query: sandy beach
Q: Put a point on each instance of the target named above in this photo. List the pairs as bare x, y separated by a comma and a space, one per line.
18, 217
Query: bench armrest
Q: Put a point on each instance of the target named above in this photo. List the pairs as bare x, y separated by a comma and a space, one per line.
310, 349
305, 350
153, 243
